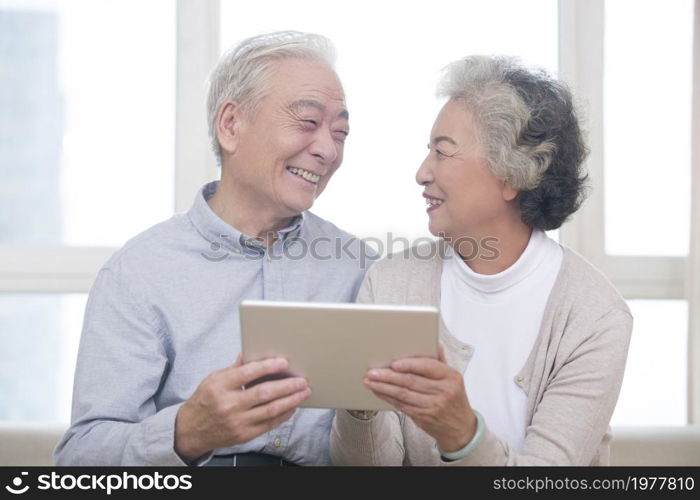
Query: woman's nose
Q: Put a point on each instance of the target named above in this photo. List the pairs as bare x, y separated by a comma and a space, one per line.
424, 175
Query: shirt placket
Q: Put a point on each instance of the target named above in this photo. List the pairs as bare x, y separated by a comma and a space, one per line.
273, 289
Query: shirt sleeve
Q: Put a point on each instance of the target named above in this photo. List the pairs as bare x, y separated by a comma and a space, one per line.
122, 361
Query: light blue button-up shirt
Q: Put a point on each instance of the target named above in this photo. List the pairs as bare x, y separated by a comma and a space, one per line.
163, 314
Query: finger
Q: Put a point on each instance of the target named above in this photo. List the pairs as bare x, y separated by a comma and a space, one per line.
237, 376
264, 427
270, 391
427, 367
409, 410
410, 381
239, 361
441, 353
401, 394
270, 412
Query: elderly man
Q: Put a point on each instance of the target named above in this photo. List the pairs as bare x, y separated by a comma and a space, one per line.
159, 376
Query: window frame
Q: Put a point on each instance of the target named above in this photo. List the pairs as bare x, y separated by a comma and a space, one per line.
581, 65
69, 269
55, 268
693, 287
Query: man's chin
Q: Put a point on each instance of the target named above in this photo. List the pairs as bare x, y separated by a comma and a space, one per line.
298, 206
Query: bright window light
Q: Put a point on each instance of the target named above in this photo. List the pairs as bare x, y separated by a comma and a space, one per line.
648, 74
389, 57
87, 117
655, 385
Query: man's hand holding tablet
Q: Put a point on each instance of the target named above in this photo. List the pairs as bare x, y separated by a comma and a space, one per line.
221, 414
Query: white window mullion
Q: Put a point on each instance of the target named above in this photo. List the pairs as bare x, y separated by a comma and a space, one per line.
197, 53
50, 269
581, 30
693, 287
581, 65
647, 277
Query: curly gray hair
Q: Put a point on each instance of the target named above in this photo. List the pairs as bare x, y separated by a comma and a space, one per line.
242, 72
530, 132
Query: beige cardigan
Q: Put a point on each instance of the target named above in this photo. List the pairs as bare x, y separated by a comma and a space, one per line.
572, 377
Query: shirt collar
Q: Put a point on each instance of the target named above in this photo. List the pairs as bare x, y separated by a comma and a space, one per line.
218, 232
528, 262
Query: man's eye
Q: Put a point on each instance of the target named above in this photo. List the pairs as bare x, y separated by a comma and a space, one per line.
312, 122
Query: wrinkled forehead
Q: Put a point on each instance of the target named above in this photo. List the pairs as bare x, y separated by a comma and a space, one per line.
305, 104
457, 121
299, 79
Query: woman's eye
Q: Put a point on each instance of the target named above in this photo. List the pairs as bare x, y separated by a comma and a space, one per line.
312, 122
437, 151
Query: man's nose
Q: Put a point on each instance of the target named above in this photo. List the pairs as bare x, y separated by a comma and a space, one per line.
324, 147
424, 176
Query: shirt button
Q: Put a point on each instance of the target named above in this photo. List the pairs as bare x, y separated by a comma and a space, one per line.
519, 378
278, 443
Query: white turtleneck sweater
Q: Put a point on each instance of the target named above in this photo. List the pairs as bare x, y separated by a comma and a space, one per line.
500, 316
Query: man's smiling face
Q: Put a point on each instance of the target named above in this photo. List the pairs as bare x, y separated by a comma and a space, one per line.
286, 151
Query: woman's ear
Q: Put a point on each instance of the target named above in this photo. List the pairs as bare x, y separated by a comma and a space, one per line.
228, 123
509, 192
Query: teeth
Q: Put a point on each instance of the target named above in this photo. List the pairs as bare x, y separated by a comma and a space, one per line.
304, 174
433, 201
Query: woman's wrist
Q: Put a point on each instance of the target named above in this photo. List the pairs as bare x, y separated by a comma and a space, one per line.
466, 449
458, 437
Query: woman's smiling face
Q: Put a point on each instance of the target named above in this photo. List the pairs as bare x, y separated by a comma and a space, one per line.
465, 198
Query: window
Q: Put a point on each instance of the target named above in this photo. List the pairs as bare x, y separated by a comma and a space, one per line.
647, 127
113, 139
87, 124
40, 334
647, 189
654, 391
635, 226
87, 119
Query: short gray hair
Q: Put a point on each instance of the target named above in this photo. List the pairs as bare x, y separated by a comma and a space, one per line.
242, 72
528, 126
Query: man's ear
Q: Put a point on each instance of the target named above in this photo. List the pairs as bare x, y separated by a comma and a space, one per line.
509, 192
228, 124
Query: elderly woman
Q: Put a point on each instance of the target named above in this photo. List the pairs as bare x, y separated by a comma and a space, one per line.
534, 339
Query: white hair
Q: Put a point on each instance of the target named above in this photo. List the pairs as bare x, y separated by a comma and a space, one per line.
528, 124
485, 85
242, 72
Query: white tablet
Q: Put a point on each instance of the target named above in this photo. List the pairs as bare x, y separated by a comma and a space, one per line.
333, 345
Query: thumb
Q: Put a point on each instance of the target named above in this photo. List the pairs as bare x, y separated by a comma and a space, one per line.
441, 353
